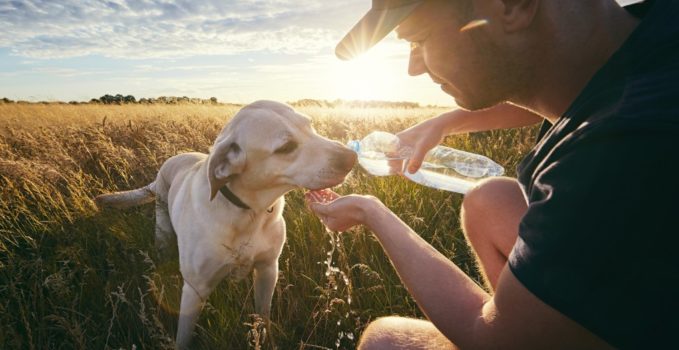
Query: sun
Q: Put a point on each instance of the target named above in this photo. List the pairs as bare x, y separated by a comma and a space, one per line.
375, 75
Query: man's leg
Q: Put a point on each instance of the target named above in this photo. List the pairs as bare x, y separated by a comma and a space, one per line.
403, 333
490, 218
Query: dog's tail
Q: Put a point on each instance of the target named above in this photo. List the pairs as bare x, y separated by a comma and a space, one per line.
126, 199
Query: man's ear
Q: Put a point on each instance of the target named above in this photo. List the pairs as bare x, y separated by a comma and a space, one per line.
518, 14
226, 160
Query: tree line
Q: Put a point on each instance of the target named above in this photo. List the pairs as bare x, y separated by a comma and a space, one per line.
120, 99
172, 100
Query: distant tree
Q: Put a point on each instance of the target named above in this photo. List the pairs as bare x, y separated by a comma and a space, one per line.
6, 100
119, 99
107, 99
213, 100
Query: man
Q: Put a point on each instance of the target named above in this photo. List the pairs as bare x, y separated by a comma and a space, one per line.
579, 251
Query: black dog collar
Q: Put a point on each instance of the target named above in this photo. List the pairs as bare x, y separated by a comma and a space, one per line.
233, 198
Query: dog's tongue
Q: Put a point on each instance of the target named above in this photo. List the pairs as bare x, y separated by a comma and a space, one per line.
321, 196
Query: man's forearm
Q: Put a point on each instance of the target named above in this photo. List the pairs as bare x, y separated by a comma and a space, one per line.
503, 116
451, 300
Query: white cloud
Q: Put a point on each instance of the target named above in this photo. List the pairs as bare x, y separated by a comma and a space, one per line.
161, 28
171, 29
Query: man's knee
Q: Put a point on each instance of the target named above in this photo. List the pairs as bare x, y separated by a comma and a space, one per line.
378, 334
402, 333
494, 197
492, 194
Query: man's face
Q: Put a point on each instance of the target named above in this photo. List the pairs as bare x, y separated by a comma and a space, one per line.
467, 64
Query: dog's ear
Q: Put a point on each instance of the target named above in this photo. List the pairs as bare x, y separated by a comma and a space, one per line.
226, 160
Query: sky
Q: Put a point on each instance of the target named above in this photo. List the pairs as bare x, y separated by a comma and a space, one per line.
235, 50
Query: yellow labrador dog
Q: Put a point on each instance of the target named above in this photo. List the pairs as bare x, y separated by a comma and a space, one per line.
225, 209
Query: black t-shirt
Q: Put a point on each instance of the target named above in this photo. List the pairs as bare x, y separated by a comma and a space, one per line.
600, 239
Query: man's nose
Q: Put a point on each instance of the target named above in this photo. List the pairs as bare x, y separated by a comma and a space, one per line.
416, 64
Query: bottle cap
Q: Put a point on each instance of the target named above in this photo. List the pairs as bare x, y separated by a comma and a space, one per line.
354, 145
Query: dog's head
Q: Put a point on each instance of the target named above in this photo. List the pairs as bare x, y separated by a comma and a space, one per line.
269, 146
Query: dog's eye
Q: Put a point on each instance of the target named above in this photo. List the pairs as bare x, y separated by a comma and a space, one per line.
287, 148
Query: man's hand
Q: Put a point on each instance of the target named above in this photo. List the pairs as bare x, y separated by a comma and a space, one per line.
421, 138
340, 213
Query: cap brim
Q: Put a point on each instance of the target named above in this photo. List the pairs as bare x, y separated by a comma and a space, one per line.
372, 28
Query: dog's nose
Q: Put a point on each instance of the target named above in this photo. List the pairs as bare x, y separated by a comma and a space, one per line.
344, 160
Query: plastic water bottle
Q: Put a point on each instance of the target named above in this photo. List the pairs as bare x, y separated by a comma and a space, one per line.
443, 167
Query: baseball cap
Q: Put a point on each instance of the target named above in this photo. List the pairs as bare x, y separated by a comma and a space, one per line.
382, 18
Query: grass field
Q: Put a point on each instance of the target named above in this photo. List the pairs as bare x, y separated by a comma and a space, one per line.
72, 277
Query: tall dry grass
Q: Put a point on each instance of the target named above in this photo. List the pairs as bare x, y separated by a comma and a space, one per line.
75, 278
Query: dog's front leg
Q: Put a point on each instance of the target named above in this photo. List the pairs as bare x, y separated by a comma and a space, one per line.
266, 275
191, 305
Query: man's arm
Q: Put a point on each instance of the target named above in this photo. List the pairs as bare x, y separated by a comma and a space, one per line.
503, 116
471, 318
460, 309
431, 132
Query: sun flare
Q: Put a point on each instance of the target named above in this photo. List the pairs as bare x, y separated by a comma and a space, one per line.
371, 76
